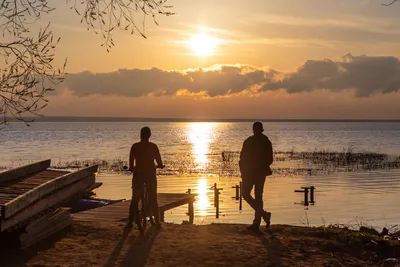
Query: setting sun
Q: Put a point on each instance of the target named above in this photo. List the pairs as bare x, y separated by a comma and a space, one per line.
203, 44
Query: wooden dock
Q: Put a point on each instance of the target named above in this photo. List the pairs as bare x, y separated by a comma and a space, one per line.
12, 190
31, 198
32, 189
118, 212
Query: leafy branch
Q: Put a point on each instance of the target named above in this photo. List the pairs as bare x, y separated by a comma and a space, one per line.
28, 75
27, 72
104, 16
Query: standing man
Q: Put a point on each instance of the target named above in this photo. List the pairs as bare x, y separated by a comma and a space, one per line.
255, 159
141, 163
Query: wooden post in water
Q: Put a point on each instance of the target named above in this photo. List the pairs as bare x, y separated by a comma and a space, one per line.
306, 190
191, 212
240, 195
215, 193
306, 196
312, 200
216, 199
217, 203
190, 208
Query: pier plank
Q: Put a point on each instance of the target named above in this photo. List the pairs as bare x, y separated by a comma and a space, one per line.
49, 201
118, 212
31, 195
15, 188
20, 172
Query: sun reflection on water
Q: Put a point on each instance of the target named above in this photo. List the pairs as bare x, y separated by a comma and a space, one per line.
202, 202
201, 135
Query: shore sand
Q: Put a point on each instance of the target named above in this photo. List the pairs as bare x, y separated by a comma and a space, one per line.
97, 244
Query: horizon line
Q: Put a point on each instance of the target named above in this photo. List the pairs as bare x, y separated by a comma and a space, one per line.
158, 119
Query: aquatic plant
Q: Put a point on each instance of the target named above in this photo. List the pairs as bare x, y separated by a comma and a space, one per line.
225, 163
114, 165
324, 161
287, 163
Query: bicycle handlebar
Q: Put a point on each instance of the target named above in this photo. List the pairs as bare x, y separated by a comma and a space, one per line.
125, 168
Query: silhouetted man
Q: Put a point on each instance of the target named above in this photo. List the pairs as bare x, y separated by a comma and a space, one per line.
141, 163
255, 160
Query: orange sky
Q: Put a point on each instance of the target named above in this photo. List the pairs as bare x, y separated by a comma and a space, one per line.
287, 41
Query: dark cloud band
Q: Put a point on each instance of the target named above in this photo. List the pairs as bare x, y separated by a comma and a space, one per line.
366, 75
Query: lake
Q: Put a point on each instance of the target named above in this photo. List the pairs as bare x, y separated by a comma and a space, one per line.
192, 152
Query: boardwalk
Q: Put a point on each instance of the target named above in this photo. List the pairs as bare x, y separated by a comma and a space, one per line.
31, 198
31, 190
118, 212
13, 189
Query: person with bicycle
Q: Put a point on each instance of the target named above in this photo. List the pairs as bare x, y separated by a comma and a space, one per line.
141, 164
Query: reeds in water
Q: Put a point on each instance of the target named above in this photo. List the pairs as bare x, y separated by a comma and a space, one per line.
225, 163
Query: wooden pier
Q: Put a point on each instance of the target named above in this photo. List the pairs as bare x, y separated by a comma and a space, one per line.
118, 212
32, 197
34, 201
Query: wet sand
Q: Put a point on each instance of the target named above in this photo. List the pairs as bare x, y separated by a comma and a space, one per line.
189, 245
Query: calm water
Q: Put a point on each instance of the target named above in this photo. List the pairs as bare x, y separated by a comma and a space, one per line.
192, 153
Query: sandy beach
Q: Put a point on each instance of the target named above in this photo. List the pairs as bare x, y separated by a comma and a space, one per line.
100, 244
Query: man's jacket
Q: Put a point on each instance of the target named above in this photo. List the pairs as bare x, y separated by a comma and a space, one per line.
256, 156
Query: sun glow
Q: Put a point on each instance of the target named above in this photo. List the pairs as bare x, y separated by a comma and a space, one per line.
203, 45
201, 135
202, 201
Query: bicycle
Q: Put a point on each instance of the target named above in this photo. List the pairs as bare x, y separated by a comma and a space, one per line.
141, 215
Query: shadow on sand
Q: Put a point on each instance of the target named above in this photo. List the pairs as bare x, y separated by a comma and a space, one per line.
112, 259
11, 257
138, 249
273, 247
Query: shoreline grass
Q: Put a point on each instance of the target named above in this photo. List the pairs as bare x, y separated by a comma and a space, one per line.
287, 163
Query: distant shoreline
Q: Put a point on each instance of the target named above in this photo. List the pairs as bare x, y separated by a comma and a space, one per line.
142, 119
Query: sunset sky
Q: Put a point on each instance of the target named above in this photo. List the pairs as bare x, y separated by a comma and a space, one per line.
270, 59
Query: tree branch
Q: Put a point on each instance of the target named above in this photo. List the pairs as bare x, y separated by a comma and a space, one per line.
28, 76
105, 16
391, 3
29, 73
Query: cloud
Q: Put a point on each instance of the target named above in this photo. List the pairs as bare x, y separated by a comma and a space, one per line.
216, 81
363, 74
366, 75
